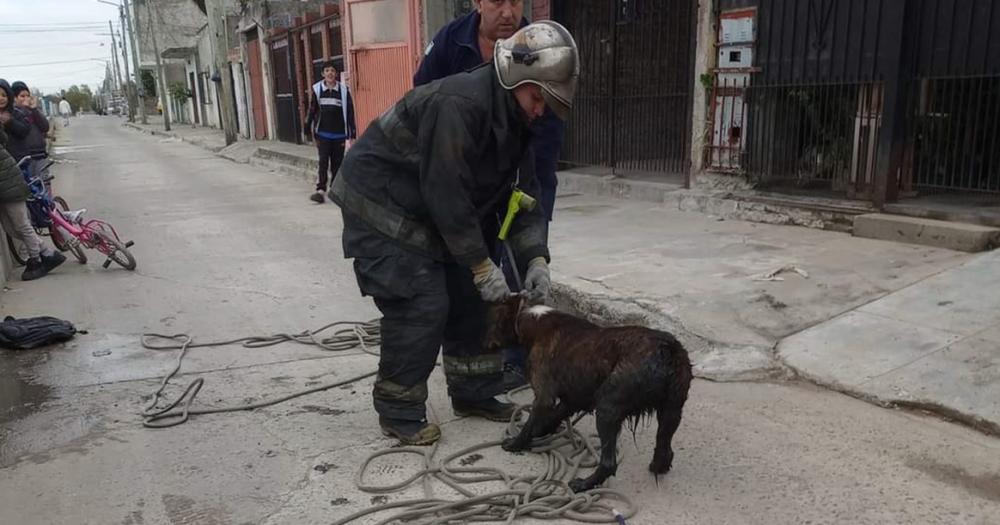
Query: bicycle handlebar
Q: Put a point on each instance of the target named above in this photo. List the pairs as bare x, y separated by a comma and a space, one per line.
33, 156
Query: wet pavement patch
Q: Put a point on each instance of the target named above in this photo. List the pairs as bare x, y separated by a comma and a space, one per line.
323, 468
326, 411
19, 395
771, 301
471, 459
986, 486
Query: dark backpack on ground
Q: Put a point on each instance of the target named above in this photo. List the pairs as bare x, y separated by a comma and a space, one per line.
22, 334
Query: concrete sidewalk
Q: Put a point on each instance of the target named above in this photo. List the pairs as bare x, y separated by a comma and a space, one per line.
832, 316
932, 345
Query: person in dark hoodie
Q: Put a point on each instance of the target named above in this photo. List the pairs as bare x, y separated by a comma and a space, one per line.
28, 126
13, 193
330, 122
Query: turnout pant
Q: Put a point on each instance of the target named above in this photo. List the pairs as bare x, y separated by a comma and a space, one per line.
331, 154
426, 306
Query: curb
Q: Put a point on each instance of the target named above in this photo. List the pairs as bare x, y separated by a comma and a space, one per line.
711, 360
980, 424
735, 204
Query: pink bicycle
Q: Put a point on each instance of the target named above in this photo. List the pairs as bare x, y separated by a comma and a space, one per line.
69, 229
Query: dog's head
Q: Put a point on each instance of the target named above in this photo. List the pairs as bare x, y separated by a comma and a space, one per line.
501, 320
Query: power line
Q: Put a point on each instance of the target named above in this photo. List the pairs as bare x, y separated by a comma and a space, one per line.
33, 47
53, 63
53, 30
5, 24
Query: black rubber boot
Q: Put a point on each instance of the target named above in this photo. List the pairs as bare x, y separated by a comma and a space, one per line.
317, 197
491, 409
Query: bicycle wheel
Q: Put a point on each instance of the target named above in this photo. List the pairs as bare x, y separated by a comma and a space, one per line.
77, 250
61, 202
117, 251
18, 251
58, 237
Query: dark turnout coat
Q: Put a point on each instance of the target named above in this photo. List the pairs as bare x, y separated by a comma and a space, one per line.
433, 174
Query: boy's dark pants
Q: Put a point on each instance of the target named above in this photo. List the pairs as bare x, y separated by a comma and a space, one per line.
331, 154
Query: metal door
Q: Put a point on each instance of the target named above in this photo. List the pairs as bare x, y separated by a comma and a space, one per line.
256, 87
633, 105
382, 54
285, 98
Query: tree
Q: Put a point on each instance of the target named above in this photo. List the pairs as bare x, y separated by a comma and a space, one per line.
79, 97
148, 84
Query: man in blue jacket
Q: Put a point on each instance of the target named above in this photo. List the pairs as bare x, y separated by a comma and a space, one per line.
330, 122
465, 43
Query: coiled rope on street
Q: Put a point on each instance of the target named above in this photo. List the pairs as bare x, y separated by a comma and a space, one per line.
363, 335
544, 495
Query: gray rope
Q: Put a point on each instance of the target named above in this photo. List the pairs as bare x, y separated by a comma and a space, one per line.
356, 335
544, 495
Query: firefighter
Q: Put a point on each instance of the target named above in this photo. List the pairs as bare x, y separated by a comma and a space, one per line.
421, 194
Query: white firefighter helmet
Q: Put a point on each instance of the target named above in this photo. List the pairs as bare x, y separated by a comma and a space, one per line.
544, 54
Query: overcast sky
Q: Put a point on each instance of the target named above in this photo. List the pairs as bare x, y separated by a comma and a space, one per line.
41, 31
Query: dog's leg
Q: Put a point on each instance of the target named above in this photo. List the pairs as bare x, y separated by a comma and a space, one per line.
668, 418
609, 424
540, 411
553, 418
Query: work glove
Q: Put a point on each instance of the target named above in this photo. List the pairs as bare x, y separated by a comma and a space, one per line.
490, 282
537, 281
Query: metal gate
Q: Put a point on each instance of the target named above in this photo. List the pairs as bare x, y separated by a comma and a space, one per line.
383, 52
874, 99
953, 137
286, 103
632, 111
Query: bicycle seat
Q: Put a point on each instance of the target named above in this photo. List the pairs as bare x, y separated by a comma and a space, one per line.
74, 217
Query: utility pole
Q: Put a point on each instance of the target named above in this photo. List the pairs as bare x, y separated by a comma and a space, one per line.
114, 56
217, 29
162, 84
130, 92
134, 36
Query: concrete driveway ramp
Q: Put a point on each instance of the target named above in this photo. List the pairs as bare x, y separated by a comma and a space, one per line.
928, 232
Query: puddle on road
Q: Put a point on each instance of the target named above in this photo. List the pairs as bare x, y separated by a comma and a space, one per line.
19, 397
27, 425
19, 394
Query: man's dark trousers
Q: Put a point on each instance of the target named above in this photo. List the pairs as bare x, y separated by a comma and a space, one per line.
427, 306
331, 154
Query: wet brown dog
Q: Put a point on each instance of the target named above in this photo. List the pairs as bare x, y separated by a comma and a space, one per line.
619, 373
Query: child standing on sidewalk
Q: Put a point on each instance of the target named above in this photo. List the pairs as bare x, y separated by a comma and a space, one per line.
330, 122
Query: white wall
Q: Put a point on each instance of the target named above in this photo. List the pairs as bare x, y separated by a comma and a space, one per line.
207, 63
242, 101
